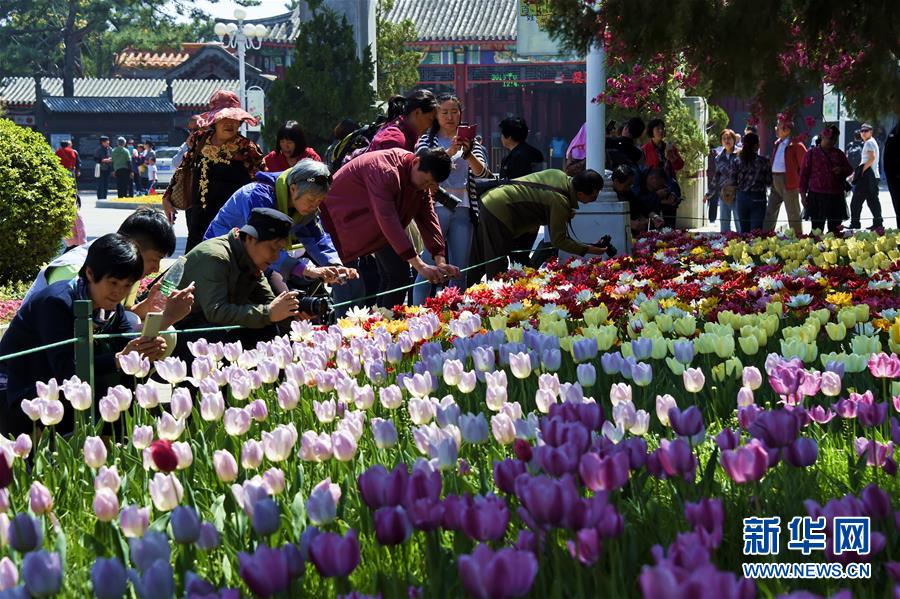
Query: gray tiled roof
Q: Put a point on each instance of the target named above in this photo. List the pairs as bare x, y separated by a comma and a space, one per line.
110, 105
464, 20
436, 20
185, 92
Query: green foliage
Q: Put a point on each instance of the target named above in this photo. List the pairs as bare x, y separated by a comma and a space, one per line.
326, 83
398, 66
37, 202
683, 130
740, 46
718, 120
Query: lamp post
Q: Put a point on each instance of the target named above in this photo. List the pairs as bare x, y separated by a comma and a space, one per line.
242, 37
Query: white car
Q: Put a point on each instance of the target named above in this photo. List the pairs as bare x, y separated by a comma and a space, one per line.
164, 168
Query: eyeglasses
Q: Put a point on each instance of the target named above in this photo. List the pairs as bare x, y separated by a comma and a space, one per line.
321, 180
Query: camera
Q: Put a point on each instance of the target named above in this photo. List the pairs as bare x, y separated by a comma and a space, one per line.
606, 241
446, 198
314, 306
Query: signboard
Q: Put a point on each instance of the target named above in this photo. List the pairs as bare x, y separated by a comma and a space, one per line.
26, 120
531, 35
256, 105
833, 109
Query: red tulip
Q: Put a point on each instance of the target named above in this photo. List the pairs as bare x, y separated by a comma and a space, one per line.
163, 455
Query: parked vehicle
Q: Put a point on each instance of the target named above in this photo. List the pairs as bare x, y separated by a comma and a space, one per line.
164, 168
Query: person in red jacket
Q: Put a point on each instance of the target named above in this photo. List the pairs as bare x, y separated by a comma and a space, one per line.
68, 157
658, 153
291, 143
408, 118
372, 200
787, 158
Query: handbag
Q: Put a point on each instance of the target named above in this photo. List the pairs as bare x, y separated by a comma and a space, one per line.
846, 184
728, 193
180, 193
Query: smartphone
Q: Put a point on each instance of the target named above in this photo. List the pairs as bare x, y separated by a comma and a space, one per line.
467, 132
152, 324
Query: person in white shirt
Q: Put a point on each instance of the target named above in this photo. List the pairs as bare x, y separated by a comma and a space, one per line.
151, 175
787, 158
192, 126
865, 181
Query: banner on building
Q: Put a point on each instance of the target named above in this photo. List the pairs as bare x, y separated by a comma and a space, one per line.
256, 105
532, 37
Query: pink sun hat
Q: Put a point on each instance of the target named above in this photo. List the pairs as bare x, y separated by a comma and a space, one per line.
224, 104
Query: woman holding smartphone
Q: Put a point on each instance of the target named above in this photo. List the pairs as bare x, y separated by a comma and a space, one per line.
469, 160
659, 153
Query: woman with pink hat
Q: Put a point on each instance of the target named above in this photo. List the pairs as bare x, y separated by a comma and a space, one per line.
220, 162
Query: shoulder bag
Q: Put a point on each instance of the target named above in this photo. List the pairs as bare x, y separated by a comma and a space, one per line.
180, 192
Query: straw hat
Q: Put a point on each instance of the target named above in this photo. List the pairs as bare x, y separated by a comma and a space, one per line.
224, 104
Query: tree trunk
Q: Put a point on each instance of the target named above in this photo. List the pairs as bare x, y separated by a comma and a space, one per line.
72, 44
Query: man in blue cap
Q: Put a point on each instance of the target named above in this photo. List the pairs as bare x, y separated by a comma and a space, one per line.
231, 287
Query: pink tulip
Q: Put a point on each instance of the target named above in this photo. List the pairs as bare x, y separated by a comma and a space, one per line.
212, 406
184, 454
9, 574
134, 521
251, 454
39, 498
94, 452
165, 491
258, 410
225, 465
22, 446
693, 380
107, 478
237, 421
147, 396
288, 395
315, 447
751, 377
273, 481
321, 505
106, 505
181, 405
344, 445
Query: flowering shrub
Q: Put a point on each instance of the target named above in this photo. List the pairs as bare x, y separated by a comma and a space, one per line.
589, 429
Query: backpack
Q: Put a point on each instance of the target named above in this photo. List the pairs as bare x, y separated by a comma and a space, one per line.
353, 144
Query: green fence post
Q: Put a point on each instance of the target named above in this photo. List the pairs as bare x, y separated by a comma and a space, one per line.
84, 346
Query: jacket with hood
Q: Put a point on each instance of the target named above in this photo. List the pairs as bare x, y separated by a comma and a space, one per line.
271, 191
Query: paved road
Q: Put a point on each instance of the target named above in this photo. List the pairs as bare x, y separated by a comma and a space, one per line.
99, 221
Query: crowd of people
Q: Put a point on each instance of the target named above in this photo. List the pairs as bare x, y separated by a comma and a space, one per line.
283, 236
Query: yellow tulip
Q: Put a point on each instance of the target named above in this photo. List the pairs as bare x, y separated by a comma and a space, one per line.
862, 312
836, 331
749, 345
649, 309
895, 330
734, 367
596, 315
863, 344
651, 330
812, 352
718, 372
665, 322
723, 346
660, 348
686, 326
498, 322
704, 343
793, 348
675, 366
608, 336
565, 343
626, 350
776, 309
515, 334
823, 315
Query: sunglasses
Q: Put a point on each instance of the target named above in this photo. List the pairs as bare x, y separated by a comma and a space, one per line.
321, 180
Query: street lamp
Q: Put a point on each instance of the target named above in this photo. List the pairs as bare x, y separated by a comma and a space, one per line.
242, 37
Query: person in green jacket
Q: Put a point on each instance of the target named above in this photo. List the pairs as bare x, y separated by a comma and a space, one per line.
121, 166
231, 287
546, 198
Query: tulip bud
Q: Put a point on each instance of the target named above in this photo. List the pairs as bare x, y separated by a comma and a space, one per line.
266, 517
225, 465
251, 454
106, 505
94, 452
185, 524
40, 499
134, 521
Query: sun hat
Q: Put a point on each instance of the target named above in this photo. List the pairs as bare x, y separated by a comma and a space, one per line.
224, 104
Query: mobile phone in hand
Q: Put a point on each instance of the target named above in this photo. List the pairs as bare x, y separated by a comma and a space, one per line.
152, 324
467, 132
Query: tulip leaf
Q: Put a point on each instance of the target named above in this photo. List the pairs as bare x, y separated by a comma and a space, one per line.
60, 546
298, 513
218, 511
227, 569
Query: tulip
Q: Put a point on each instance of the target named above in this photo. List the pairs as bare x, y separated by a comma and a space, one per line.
483, 358
604, 474
106, 505
664, 403
333, 555
384, 433
141, 437
877, 502
40, 499
25, 533
343, 445
683, 351
392, 525
379, 488
489, 575
831, 384
486, 519
642, 374
147, 396
209, 537
134, 521
165, 491
391, 397
802, 452
315, 448
503, 428
584, 350
520, 365
776, 428
94, 452
871, 414
278, 444
687, 423
675, 459
266, 517
42, 573
9, 574
587, 546
745, 464
185, 524
169, 427
419, 385
237, 421
172, 370
109, 578
288, 395
882, 365
251, 454
728, 439
321, 506
79, 395
265, 571
467, 382
611, 363
707, 515
620, 393
693, 380
273, 481
164, 457
181, 404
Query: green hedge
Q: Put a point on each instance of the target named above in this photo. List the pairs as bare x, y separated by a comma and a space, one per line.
37, 202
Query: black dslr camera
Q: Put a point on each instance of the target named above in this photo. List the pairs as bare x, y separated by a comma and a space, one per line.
315, 305
446, 198
606, 241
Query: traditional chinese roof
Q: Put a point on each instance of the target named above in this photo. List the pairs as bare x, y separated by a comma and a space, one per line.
136, 59
110, 105
186, 92
459, 20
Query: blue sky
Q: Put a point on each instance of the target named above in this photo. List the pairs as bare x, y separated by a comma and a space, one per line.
224, 9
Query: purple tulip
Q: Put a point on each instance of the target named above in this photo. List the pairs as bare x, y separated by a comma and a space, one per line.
209, 537
747, 415
590, 415
707, 517
185, 524
586, 547
776, 428
392, 525
785, 381
423, 484
688, 423
157, 581
871, 414
547, 500
675, 458
296, 564
486, 518
551, 359
642, 374
584, 350
149, 549
557, 461
746, 464
877, 454
265, 571
836, 367
642, 347
683, 351
882, 365
895, 430
877, 502
454, 510
802, 453
506, 573
612, 363
109, 578
505, 474
636, 448
379, 488
266, 517
333, 555
25, 533
604, 474
728, 439
820, 415
426, 515
528, 541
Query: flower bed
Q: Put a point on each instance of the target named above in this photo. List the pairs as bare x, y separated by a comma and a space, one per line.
593, 429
